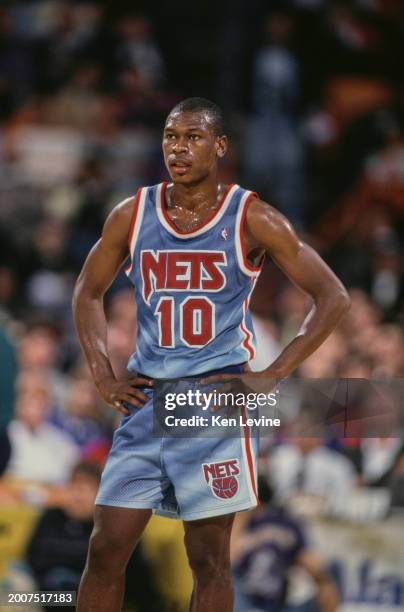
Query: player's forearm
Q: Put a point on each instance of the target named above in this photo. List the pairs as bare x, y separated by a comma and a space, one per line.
91, 326
319, 323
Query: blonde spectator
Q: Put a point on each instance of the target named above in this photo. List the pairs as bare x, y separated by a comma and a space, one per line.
39, 451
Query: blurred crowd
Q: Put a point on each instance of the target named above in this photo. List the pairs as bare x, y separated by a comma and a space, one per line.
314, 95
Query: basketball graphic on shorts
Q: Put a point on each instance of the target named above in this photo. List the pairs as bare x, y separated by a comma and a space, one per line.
221, 477
225, 487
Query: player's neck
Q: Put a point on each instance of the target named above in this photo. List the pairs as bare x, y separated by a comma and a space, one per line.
195, 197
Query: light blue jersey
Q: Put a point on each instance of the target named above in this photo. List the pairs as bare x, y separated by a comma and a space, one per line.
192, 288
192, 291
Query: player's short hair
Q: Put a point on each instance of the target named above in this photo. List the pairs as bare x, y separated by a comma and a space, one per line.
202, 105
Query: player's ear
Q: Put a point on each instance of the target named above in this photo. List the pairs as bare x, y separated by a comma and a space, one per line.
221, 146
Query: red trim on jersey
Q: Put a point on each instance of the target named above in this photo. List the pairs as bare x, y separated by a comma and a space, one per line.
247, 264
247, 438
246, 342
208, 220
132, 225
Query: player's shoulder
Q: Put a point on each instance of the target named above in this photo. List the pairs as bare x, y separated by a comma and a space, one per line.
127, 205
262, 216
121, 213
258, 207
119, 220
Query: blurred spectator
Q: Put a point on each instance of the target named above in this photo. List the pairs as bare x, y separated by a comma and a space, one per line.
361, 322
387, 351
58, 548
396, 482
267, 544
68, 34
43, 153
273, 150
57, 551
39, 451
138, 50
85, 207
82, 418
78, 105
39, 349
323, 363
304, 465
378, 455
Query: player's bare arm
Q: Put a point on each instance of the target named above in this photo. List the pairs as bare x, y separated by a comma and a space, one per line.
268, 231
100, 269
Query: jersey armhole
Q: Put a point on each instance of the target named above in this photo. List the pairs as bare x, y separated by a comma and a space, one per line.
247, 267
131, 240
133, 219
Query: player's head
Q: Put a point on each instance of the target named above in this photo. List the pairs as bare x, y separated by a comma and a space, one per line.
193, 140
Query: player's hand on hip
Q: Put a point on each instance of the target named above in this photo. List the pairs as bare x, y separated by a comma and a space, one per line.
240, 385
232, 384
116, 392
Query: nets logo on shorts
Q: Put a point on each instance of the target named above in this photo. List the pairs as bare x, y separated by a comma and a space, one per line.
222, 477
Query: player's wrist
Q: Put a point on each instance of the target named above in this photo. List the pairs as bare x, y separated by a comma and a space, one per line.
276, 372
100, 383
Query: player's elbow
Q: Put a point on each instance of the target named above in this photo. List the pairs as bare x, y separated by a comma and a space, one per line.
341, 301
81, 294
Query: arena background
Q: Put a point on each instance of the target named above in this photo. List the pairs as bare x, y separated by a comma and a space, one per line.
313, 92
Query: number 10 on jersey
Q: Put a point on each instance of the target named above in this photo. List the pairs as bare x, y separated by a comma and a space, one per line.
196, 321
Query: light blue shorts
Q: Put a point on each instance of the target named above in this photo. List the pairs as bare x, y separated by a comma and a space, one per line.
187, 478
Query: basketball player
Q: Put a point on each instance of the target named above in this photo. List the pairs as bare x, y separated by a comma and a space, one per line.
196, 248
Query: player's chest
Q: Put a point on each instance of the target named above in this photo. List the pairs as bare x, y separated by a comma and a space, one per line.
183, 270
187, 220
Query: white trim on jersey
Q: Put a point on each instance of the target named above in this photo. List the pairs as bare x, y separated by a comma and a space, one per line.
136, 225
217, 217
238, 237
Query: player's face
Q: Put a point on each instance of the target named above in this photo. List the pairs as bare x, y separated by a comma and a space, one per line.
191, 148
